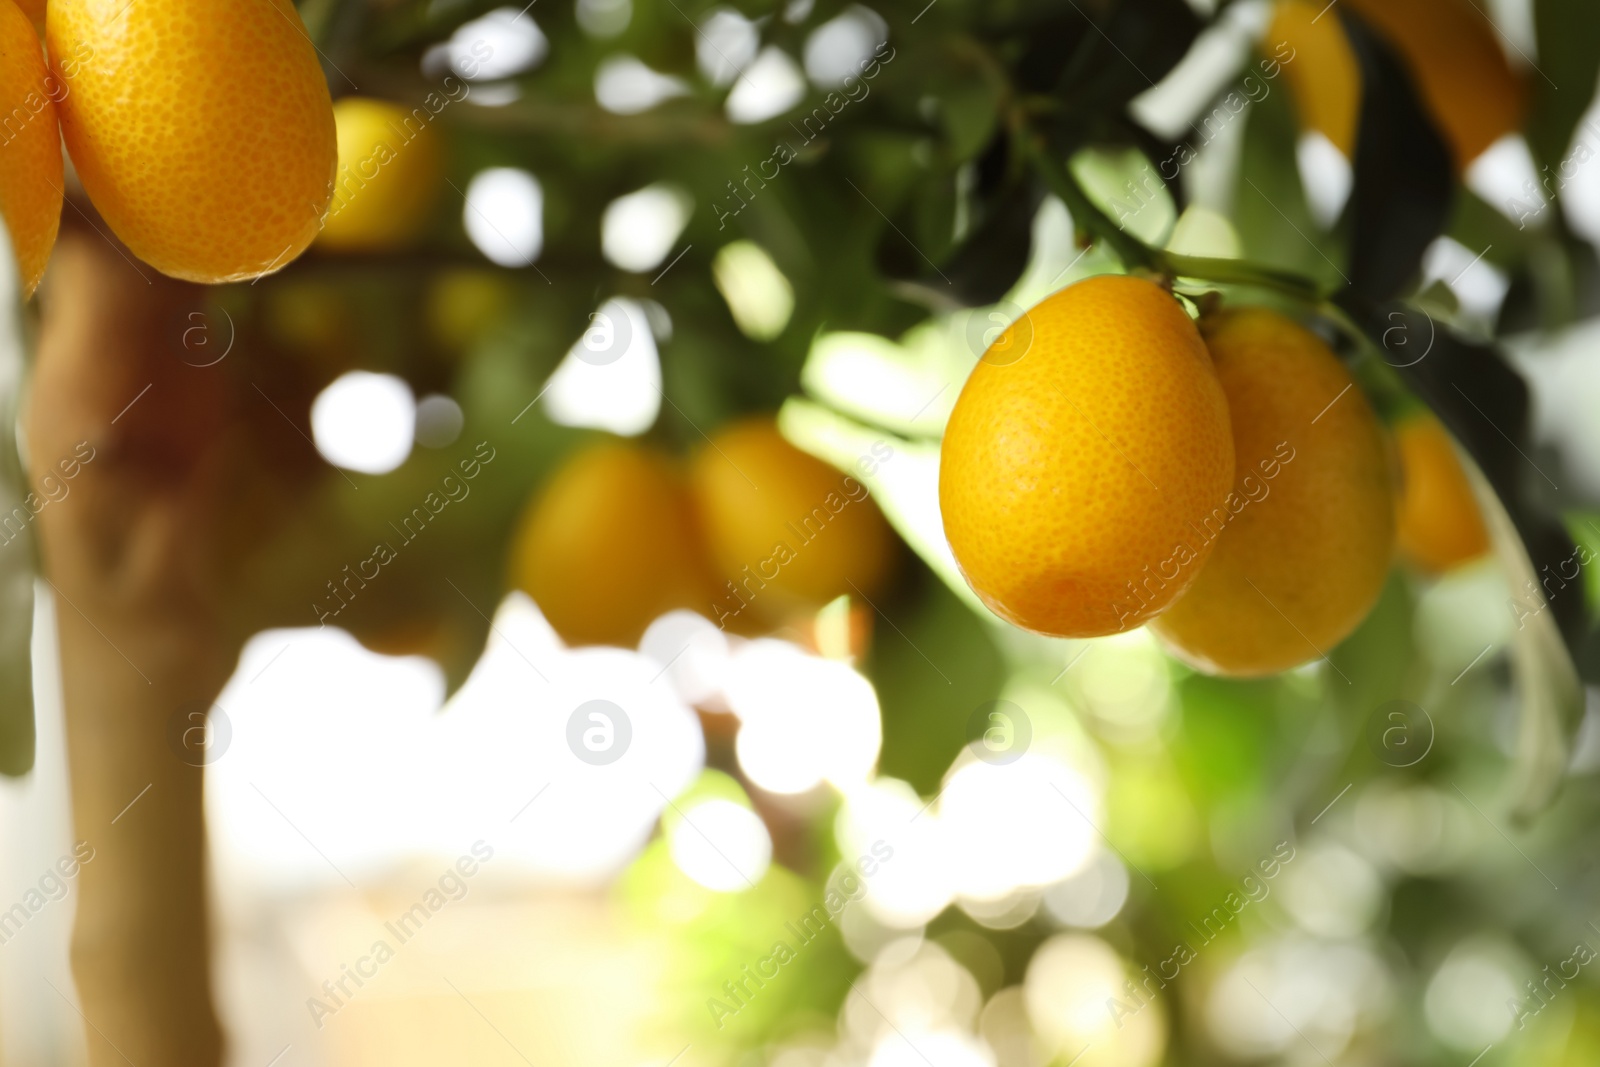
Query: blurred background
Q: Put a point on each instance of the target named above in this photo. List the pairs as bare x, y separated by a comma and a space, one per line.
542, 795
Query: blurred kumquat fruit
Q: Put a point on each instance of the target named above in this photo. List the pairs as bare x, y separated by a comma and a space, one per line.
610, 544
31, 179
1082, 454
391, 168
1440, 526
1305, 540
786, 532
1450, 47
201, 129
1323, 77
1453, 50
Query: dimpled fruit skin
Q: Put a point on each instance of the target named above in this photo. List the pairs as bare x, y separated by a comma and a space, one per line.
201, 129
1070, 476
789, 531
609, 544
1440, 526
391, 167
30, 151
1323, 75
1308, 547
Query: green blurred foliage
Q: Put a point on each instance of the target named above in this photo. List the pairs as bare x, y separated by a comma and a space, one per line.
916, 203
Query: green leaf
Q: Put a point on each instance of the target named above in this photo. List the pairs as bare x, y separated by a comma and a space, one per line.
1130, 51
1379, 661
1269, 204
934, 663
905, 485
17, 555
1400, 199
1484, 403
1550, 693
1566, 32
1122, 184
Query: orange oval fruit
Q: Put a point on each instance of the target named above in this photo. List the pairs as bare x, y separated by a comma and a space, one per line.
1323, 77
1462, 73
201, 129
1440, 526
1304, 543
610, 544
785, 531
1449, 46
1080, 458
31, 181
391, 168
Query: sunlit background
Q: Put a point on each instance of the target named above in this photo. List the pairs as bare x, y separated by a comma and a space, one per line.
996, 927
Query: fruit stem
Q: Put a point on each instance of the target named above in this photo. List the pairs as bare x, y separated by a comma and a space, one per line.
1238, 272
1138, 256
1134, 253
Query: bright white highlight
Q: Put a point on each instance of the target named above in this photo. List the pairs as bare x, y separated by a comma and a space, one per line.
1069, 982
509, 725
1465, 1004
759, 296
837, 49
1478, 284
368, 713
504, 215
638, 230
803, 719
625, 86
611, 379
722, 845
692, 652
1506, 178
1092, 897
604, 18
725, 45
1326, 176
364, 422
501, 44
914, 886
769, 86
994, 847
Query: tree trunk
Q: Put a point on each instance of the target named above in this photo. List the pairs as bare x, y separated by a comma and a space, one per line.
130, 551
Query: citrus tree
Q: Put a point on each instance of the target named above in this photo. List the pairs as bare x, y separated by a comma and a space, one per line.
1057, 266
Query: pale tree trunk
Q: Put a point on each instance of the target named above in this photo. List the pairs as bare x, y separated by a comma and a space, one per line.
132, 555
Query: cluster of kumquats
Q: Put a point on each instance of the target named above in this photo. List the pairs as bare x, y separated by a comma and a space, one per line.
753, 533
1226, 483
621, 533
176, 183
